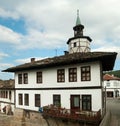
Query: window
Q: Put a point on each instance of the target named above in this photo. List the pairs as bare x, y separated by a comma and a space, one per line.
10, 96
19, 78
37, 100
26, 99
60, 75
85, 73
72, 74
25, 76
86, 102
20, 97
108, 84
56, 100
39, 77
75, 44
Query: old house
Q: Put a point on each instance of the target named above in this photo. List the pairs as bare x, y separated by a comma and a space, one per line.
72, 81
112, 85
7, 92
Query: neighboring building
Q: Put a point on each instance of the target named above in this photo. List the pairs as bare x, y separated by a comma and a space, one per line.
7, 92
73, 80
112, 85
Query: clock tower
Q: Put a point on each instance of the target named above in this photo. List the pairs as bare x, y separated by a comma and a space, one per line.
79, 43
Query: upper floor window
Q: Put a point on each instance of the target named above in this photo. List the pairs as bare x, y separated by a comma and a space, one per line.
60, 75
85, 73
39, 77
19, 78
25, 76
72, 74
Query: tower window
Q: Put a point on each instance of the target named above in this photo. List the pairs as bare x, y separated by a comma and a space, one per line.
75, 44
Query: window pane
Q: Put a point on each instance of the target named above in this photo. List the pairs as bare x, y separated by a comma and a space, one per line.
25, 75
39, 77
60, 75
37, 100
56, 100
19, 78
86, 102
85, 73
26, 99
72, 74
76, 101
20, 97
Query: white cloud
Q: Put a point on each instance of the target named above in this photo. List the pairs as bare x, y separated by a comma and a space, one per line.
9, 36
2, 55
8, 14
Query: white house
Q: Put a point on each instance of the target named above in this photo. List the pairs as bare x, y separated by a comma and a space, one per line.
7, 92
112, 85
73, 80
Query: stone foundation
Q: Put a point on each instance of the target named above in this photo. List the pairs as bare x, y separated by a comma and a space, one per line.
27, 118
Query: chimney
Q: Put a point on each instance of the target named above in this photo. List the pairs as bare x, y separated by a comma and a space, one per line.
66, 52
32, 60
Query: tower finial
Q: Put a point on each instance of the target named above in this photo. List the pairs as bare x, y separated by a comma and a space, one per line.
77, 13
78, 22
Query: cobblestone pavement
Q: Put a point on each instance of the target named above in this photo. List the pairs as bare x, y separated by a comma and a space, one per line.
114, 106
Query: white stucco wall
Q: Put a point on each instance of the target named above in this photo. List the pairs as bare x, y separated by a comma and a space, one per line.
50, 81
47, 98
50, 77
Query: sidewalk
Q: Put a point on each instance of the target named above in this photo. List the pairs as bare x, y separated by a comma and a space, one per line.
114, 121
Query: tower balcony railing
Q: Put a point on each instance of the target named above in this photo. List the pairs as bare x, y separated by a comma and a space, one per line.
92, 117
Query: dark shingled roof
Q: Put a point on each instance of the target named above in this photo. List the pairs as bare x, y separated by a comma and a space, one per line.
7, 84
106, 58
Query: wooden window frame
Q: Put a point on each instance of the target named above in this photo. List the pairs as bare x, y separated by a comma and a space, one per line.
25, 77
73, 74
57, 100
60, 75
87, 103
10, 95
86, 73
37, 100
20, 78
26, 99
39, 77
20, 99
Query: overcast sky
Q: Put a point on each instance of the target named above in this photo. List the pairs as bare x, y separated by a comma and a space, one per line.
41, 28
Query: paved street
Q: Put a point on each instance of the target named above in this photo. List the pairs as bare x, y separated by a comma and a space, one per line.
114, 106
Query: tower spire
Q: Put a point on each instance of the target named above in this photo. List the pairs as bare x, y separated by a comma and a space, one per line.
78, 22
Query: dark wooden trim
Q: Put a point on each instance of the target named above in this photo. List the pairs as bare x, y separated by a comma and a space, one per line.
62, 88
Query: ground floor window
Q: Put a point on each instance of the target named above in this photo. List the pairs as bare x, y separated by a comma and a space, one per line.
86, 102
26, 99
57, 100
109, 93
37, 100
20, 97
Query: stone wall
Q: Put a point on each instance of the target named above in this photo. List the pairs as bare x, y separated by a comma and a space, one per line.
33, 118
27, 118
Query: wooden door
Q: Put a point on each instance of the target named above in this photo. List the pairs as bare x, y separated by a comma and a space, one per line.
75, 102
